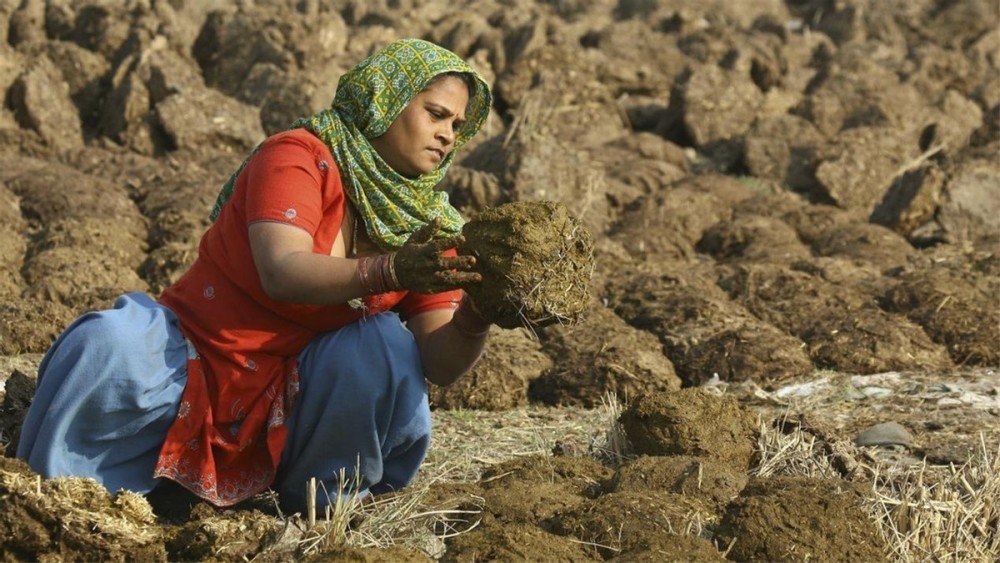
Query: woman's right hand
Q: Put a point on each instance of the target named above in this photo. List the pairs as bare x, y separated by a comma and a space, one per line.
420, 267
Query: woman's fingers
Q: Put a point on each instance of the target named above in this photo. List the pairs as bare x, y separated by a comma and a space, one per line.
457, 262
442, 244
421, 266
452, 279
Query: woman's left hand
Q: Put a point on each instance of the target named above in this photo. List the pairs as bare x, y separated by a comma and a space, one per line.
420, 266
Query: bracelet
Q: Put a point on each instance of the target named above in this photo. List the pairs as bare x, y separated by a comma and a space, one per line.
382, 267
378, 284
363, 274
377, 274
392, 272
467, 321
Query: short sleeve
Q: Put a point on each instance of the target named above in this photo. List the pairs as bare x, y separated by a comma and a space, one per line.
285, 180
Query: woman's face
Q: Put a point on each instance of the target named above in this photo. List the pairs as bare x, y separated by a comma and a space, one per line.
423, 135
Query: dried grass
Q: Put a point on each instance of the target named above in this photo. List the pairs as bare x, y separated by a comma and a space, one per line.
924, 512
398, 519
25, 363
611, 446
941, 514
795, 452
340, 509
465, 442
403, 519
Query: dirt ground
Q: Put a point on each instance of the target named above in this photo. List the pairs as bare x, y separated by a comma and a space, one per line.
794, 214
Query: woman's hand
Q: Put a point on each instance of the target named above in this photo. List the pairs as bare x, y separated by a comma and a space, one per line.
420, 266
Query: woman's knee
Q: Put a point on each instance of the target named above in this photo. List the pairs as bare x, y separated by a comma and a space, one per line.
367, 357
97, 336
123, 338
105, 327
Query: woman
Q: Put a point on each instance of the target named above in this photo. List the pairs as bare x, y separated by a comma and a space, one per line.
282, 354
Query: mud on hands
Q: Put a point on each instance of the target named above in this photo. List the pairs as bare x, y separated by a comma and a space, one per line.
420, 266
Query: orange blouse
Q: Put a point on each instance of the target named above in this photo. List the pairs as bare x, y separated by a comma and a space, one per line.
242, 377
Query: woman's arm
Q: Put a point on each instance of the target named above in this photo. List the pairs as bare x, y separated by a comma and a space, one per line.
291, 272
450, 341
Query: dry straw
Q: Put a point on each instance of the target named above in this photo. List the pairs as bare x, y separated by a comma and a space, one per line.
925, 513
399, 519
941, 513
466, 442
612, 446
795, 452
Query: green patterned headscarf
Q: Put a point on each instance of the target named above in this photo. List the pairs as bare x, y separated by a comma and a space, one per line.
369, 98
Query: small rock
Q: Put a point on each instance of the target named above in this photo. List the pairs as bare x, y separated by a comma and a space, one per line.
885, 434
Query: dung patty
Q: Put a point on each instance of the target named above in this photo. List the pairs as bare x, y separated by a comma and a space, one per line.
537, 261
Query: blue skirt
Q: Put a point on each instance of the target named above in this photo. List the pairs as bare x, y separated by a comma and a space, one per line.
109, 388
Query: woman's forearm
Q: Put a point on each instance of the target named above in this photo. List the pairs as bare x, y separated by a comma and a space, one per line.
450, 342
314, 279
291, 272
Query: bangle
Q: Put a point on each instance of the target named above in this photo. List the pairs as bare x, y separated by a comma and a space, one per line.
385, 284
363, 274
377, 274
378, 282
374, 273
467, 321
392, 272
383, 272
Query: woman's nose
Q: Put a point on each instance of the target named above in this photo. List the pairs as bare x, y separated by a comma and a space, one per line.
446, 134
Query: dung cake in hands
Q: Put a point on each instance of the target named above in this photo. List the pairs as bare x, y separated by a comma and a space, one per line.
536, 260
